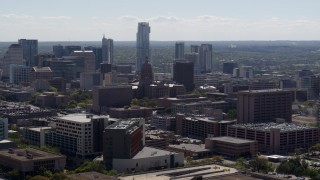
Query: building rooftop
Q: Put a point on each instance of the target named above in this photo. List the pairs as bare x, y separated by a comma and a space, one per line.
42, 69
124, 124
263, 91
27, 154
284, 127
232, 140
38, 129
151, 152
190, 147
80, 117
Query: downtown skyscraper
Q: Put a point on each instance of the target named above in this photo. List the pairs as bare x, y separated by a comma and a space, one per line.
143, 44
30, 50
179, 51
107, 50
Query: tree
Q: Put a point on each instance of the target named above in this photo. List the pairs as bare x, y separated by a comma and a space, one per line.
39, 177
260, 165
315, 147
232, 113
52, 89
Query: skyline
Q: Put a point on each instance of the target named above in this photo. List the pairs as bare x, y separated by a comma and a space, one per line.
205, 20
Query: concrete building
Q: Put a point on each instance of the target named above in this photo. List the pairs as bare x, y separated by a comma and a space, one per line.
29, 160
30, 50
98, 54
167, 102
201, 127
41, 73
276, 138
164, 122
58, 50
179, 51
89, 80
111, 96
14, 55
123, 140
205, 55
232, 147
183, 74
89, 60
158, 90
246, 72
195, 48
264, 105
196, 151
3, 128
200, 106
143, 44
130, 112
51, 99
149, 159
20, 74
85, 132
107, 50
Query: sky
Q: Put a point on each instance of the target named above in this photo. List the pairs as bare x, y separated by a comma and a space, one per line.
170, 20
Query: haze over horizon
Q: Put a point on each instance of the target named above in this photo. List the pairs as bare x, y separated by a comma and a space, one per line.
203, 20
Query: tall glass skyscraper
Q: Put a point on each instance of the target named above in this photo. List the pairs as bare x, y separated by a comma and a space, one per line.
179, 51
143, 44
107, 50
30, 50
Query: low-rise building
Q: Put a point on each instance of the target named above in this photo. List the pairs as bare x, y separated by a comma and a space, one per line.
29, 160
276, 138
51, 99
196, 151
130, 112
230, 146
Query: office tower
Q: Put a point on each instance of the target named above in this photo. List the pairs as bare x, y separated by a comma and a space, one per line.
179, 51
14, 55
89, 60
195, 48
20, 74
246, 72
3, 128
107, 50
264, 105
205, 55
146, 76
30, 50
193, 57
228, 67
143, 44
89, 80
97, 52
68, 50
58, 51
123, 140
183, 73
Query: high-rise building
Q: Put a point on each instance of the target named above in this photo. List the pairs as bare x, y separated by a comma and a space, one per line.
68, 50
97, 52
3, 128
183, 73
193, 57
205, 54
195, 48
20, 74
143, 44
146, 76
30, 50
123, 140
14, 55
228, 67
58, 50
264, 105
179, 51
89, 60
107, 50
